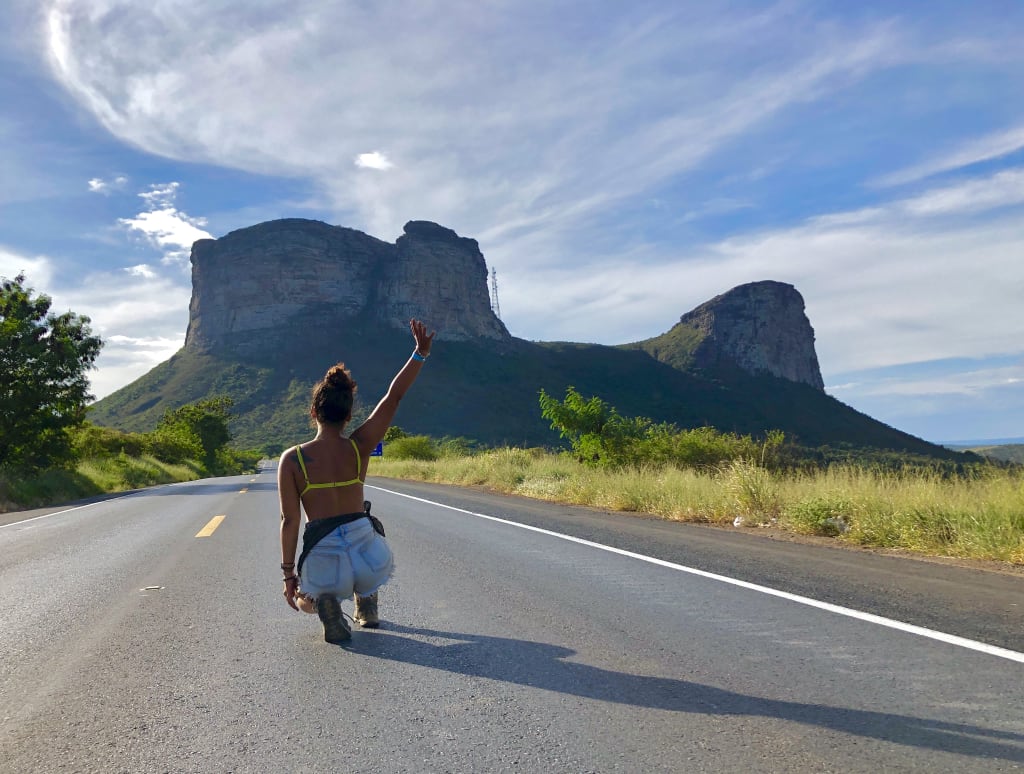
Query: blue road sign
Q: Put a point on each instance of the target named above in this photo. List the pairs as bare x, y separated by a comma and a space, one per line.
378, 451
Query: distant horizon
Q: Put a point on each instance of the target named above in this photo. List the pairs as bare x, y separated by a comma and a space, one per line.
983, 442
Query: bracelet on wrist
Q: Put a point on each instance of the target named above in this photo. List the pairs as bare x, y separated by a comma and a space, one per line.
290, 578
417, 356
287, 565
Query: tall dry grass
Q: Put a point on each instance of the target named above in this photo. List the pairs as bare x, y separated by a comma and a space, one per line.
977, 516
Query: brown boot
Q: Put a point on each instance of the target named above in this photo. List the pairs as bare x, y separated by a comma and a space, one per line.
335, 626
366, 611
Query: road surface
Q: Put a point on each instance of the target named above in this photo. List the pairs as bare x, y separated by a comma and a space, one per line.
517, 636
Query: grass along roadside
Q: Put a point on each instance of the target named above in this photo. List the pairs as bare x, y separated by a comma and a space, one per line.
973, 517
92, 476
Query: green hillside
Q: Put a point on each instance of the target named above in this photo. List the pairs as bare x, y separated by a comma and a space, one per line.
489, 392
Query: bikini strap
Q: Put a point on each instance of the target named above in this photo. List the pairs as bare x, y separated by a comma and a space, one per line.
359, 460
302, 464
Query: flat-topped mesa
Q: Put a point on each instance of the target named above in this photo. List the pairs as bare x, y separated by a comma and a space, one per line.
762, 328
442, 278
291, 279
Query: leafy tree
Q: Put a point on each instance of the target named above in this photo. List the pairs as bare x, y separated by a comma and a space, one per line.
200, 427
576, 417
44, 358
393, 433
599, 435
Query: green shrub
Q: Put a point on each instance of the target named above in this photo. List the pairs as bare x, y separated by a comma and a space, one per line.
455, 447
822, 515
91, 440
412, 447
174, 445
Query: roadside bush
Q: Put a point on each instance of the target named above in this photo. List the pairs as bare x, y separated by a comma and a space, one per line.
828, 515
412, 447
174, 444
91, 440
455, 447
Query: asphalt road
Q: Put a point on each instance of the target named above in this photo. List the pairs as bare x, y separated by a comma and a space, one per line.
128, 644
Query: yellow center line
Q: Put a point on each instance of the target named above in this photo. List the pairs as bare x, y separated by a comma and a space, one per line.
209, 528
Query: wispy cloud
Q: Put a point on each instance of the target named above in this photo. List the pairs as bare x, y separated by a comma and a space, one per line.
164, 226
889, 285
970, 196
968, 382
991, 146
101, 186
465, 98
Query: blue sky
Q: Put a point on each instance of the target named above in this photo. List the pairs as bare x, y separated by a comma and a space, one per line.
619, 164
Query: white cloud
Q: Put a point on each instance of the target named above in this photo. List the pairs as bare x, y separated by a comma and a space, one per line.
164, 226
882, 287
141, 270
38, 269
160, 195
120, 305
101, 186
373, 160
465, 97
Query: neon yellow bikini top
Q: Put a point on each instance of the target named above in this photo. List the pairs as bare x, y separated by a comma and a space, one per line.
331, 484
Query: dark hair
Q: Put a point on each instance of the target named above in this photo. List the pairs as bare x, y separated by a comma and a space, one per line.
333, 396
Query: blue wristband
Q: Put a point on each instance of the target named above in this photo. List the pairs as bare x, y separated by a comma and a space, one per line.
418, 356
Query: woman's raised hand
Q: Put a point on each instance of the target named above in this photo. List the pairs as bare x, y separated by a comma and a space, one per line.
423, 340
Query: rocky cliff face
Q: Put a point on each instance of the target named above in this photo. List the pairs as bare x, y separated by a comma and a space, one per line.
762, 328
294, 283
286, 281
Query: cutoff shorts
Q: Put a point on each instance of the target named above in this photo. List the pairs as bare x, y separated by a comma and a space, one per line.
352, 558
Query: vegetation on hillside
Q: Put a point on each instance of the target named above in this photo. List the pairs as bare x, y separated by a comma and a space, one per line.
487, 392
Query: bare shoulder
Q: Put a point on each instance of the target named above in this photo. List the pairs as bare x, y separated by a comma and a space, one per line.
288, 457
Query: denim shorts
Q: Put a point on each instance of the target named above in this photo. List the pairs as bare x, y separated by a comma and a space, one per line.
352, 558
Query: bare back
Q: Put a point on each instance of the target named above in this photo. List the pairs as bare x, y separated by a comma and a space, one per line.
335, 469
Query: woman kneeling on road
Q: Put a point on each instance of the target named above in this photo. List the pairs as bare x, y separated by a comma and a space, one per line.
345, 553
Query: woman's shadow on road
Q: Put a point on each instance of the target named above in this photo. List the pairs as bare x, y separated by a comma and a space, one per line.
538, 665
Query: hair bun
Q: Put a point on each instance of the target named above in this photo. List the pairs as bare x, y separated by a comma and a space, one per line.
333, 395
338, 377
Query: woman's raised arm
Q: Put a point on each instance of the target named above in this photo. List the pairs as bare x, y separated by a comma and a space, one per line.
371, 432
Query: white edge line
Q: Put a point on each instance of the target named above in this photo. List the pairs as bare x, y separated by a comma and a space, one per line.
951, 639
67, 510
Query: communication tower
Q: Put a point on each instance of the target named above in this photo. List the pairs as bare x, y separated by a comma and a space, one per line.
495, 306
